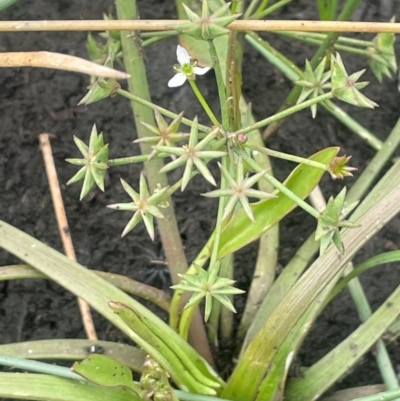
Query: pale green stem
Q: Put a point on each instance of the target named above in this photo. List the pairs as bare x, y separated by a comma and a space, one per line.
204, 103
186, 320
279, 186
221, 85
213, 322
322, 36
318, 42
251, 7
167, 227
165, 34
286, 156
226, 315
131, 159
39, 367
270, 10
288, 68
349, 7
353, 125
163, 111
384, 396
284, 113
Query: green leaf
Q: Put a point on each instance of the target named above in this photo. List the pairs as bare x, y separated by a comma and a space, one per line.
52, 388
107, 372
73, 349
98, 293
193, 380
303, 179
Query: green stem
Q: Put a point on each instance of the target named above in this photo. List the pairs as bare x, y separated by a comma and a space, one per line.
384, 396
286, 112
322, 36
353, 125
288, 68
271, 9
286, 156
165, 34
128, 160
214, 263
186, 320
221, 85
165, 112
349, 7
204, 103
318, 42
251, 7
41, 367
279, 186
168, 227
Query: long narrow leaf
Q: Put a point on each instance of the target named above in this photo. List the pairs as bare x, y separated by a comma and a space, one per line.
30, 386
73, 350
98, 293
259, 356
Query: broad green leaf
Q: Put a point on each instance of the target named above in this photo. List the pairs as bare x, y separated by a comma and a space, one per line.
107, 372
303, 179
32, 386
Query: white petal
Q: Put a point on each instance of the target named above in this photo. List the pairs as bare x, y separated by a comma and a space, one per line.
182, 55
201, 71
177, 80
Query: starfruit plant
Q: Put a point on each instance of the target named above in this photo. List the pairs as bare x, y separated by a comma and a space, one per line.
177, 355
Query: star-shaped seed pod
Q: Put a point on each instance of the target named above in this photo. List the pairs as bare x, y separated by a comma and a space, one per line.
165, 134
239, 190
204, 286
144, 206
206, 26
94, 162
194, 154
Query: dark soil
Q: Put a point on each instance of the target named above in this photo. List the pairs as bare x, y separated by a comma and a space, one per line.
33, 101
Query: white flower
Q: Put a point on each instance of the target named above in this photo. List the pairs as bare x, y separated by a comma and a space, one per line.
185, 70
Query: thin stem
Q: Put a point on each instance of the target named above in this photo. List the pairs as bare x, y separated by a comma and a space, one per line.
164, 34
286, 156
279, 186
221, 85
186, 319
285, 113
251, 7
287, 67
167, 227
318, 42
322, 36
353, 125
271, 9
163, 111
349, 7
128, 160
203, 102
40, 367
